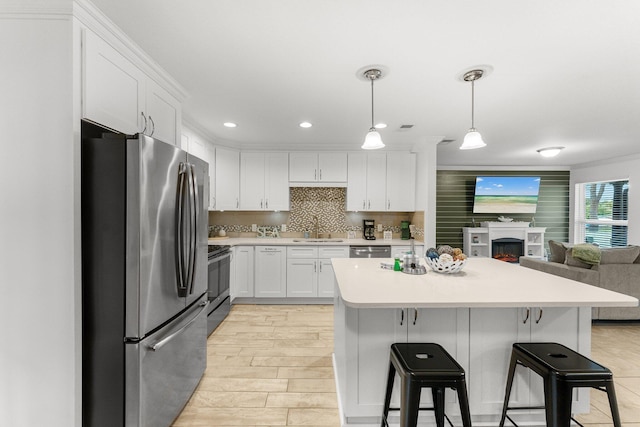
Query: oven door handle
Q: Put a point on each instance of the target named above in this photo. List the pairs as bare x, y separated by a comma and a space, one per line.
220, 257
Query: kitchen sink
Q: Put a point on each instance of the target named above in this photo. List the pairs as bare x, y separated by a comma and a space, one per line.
317, 240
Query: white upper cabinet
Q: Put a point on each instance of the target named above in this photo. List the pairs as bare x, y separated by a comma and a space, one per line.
264, 182
227, 175
317, 167
367, 182
211, 159
113, 88
163, 113
401, 182
381, 182
119, 95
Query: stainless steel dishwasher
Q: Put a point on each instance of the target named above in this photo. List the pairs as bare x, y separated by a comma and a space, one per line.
369, 251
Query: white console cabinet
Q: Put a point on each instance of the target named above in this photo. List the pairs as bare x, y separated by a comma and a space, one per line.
477, 240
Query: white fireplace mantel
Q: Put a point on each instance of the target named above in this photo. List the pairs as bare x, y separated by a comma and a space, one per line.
477, 240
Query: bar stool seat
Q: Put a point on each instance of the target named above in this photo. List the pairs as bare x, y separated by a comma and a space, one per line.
424, 365
562, 370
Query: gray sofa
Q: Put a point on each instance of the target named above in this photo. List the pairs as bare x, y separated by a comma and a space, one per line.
618, 270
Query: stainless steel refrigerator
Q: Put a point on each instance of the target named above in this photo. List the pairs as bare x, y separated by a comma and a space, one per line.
144, 279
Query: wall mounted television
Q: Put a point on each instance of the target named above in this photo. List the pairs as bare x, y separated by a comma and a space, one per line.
506, 194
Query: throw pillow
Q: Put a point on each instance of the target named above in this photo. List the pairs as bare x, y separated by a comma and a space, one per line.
626, 255
558, 250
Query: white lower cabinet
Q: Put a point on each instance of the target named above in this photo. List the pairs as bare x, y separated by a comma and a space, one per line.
479, 339
368, 335
270, 272
242, 272
492, 333
309, 270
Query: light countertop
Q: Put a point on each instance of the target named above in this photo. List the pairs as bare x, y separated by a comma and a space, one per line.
287, 241
484, 282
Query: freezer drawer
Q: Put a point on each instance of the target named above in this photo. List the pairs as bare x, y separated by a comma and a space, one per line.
164, 369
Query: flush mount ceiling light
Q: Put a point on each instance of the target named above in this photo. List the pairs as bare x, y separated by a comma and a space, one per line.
229, 125
305, 125
472, 139
550, 151
372, 141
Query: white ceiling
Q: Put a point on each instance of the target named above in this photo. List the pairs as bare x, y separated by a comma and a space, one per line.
564, 72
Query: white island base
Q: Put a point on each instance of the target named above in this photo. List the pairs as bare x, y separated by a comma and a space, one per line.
476, 316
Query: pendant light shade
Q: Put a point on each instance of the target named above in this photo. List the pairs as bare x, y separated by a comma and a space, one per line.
372, 140
472, 139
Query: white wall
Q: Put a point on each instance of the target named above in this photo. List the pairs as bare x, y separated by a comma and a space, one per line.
616, 169
39, 223
426, 188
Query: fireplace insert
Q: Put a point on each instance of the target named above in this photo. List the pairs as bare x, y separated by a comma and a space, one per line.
507, 249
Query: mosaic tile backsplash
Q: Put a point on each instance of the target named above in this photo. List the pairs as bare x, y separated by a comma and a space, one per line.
308, 204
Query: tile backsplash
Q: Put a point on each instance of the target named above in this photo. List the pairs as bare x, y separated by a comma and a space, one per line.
327, 204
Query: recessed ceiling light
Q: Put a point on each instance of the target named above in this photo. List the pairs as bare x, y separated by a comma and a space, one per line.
380, 125
550, 151
230, 125
305, 125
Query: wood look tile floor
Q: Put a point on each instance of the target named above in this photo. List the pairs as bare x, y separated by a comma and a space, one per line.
270, 365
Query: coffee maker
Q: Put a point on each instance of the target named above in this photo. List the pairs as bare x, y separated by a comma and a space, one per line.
369, 229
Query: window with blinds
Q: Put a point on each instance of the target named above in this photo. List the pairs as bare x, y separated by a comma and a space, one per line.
601, 213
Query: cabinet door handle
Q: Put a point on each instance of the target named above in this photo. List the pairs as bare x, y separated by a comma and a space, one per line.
237, 203
145, 122
153, 129
315, 267
388, 204
266, 204
320, 262
415, 315
320, 174
539, 315
369, 207
260, 203
315, 171
364, 204
402, 317
526, 316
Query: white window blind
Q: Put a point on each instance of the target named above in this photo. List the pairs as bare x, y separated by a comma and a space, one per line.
601, 213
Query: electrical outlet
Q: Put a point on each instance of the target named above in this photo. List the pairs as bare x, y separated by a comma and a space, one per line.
379, 227
284, 228
254, 227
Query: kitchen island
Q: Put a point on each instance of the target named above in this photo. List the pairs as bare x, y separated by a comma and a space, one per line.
476, 315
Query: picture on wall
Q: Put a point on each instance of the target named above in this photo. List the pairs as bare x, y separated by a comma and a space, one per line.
506, 194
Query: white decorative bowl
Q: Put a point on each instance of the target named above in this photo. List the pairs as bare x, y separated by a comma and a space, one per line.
445, 267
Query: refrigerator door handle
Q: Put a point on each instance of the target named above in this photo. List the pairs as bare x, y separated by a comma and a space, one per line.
158, 345
193, 226
180, 250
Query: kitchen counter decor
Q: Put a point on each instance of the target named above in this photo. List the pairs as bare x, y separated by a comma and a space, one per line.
445, 264
445, 259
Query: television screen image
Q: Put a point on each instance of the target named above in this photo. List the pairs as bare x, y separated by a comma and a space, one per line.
506, 194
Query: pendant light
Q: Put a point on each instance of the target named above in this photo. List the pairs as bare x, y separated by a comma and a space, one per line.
372, 141
472, 139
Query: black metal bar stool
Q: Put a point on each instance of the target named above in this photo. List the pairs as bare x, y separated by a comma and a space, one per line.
424, 365
562, 370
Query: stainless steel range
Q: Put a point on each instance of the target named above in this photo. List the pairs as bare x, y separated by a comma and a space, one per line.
219, 267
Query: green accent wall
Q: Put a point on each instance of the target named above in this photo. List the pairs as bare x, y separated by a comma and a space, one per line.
454, 204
